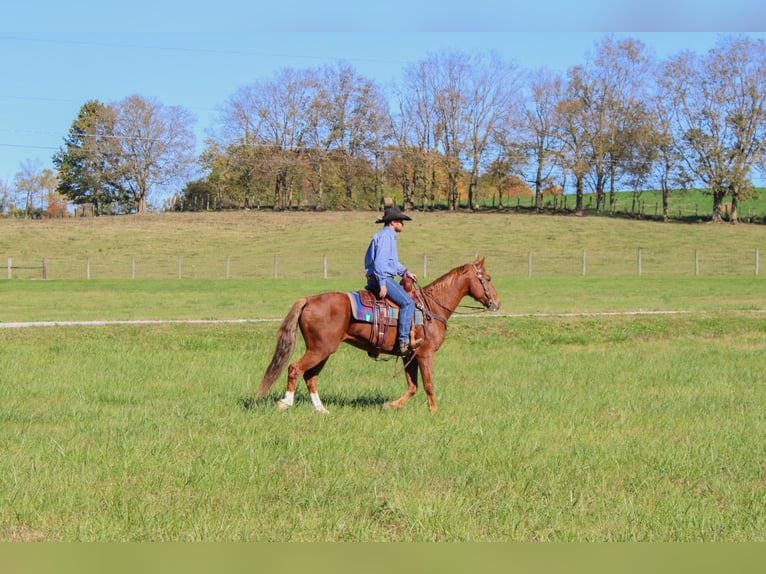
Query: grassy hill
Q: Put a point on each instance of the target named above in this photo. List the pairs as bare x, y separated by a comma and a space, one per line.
265, 244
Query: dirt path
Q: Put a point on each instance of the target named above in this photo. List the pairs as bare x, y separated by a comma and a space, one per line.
25, 324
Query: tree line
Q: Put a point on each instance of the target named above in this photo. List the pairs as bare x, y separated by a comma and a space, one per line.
456, 130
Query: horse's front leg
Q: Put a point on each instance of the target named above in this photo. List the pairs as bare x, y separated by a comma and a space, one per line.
411, 373
426, 371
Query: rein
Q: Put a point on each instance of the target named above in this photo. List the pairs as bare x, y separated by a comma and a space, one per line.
475, 308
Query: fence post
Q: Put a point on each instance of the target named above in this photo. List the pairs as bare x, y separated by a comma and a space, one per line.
179, 266
87, 268
276, 266
45, 267
425, 265
324, 266
228, 267
9, 267
132, 267
639, 261
757, 260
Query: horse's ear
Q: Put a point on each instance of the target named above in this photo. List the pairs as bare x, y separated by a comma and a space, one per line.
479, 262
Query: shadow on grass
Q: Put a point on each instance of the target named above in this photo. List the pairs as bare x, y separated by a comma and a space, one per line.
366, 400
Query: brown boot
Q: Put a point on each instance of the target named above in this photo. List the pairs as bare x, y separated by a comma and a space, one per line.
404, 349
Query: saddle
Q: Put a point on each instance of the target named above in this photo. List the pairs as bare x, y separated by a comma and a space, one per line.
385, 314
382, 313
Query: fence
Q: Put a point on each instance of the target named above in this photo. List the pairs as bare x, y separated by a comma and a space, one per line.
10, 268
295, 266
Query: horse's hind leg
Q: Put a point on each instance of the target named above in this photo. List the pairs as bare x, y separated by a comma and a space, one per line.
411, 372
311, 377
308, 366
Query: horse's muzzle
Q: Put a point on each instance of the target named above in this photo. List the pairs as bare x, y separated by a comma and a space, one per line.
494, 306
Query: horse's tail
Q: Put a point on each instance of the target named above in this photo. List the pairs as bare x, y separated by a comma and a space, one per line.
285, 344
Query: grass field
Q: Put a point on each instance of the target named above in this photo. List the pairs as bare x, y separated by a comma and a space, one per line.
562, 418
262, 244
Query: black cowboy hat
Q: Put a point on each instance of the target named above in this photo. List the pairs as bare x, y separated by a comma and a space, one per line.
393, 214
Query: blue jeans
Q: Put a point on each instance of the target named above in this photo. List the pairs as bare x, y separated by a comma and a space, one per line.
399, 296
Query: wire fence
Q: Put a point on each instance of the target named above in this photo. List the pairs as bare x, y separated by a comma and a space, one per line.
500, 263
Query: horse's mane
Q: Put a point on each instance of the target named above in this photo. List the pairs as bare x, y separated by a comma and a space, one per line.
443, 283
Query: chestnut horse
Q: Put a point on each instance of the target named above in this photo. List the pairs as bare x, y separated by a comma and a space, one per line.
325, 321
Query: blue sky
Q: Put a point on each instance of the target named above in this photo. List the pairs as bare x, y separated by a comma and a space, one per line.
54, 57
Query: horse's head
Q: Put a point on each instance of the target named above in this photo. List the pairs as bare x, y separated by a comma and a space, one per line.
481, 287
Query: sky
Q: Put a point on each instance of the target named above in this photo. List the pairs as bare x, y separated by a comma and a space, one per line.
54, 57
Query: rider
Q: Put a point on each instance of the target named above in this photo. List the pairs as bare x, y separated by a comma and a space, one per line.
381, 264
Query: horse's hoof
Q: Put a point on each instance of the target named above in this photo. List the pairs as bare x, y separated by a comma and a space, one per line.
283, 406
322, 411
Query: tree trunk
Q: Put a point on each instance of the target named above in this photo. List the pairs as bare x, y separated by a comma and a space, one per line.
718, 196
539, 187
579, 195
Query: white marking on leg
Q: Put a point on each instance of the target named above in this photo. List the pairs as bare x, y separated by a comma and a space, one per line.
287, 401
317, 402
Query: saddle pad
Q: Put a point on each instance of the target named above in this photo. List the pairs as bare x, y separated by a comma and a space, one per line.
362, 312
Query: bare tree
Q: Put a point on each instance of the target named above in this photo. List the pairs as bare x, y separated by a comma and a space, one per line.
540, 129
719, 111
156, 147
604, 111
351, 116
493, 102
413, 130
574, 128
454, 104
5, 197
35, 188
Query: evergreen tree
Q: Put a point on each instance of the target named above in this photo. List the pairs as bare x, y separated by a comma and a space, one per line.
85, 163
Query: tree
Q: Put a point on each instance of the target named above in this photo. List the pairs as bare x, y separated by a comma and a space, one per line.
35, 190
491, 106
349, 120
608, 96
540, 136
574, 129
449, 74
5, 197
156, 147
413, 130
87, 162
719, 111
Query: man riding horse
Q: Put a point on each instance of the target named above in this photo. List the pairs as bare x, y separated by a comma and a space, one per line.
382, 266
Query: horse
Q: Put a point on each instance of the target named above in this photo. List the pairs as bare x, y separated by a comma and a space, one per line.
326, 320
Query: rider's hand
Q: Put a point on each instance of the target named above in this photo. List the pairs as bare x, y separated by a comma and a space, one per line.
382, 291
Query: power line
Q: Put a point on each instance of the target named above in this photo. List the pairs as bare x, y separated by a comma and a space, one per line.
183, 49
27, 146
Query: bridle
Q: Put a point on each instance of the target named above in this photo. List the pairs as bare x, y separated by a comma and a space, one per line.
486, 305
424, 302
488, 297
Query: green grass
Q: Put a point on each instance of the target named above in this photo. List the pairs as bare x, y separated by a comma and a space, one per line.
103, 300
310, 245
567, 429
693, 205
558, 422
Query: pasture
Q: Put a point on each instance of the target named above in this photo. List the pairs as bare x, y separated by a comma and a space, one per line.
562, 418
